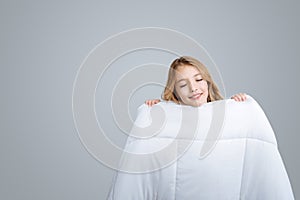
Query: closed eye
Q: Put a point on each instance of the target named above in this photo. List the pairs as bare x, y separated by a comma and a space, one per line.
182, 86
199, 80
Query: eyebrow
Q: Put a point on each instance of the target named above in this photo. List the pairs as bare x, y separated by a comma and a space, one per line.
185, 79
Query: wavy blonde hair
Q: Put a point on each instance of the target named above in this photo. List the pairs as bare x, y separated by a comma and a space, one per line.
169, 93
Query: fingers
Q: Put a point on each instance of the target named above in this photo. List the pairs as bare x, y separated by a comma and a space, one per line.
239, 97
152, 102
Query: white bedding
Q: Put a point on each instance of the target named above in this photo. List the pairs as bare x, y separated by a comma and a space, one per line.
231, 154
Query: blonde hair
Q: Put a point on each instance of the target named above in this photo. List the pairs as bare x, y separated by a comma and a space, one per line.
169, 93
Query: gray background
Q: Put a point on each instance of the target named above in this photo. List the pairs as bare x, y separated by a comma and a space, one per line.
42, 44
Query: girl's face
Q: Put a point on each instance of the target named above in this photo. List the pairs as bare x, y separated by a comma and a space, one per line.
190, 88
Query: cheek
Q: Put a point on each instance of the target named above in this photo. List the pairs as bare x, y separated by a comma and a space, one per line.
204, 86
182, 92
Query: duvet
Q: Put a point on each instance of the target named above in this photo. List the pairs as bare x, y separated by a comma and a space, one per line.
220, 150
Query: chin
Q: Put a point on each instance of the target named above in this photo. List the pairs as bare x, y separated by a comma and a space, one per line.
195, 104
200, 104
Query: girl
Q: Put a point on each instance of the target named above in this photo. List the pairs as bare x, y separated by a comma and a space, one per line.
189, 83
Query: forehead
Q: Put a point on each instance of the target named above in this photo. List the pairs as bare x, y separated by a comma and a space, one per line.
186, 71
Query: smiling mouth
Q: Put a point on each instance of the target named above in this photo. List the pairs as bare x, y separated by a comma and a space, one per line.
196, 96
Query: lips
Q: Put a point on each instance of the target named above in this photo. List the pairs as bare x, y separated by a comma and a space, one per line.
196, 96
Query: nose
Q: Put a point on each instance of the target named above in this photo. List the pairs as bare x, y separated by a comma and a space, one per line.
193, 87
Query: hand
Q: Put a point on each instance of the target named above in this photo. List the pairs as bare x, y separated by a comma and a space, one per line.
152, 102
239, 97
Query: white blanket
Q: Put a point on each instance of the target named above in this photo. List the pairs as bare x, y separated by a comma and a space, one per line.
231, 154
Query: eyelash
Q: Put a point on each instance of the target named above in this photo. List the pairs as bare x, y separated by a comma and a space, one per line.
185, 84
